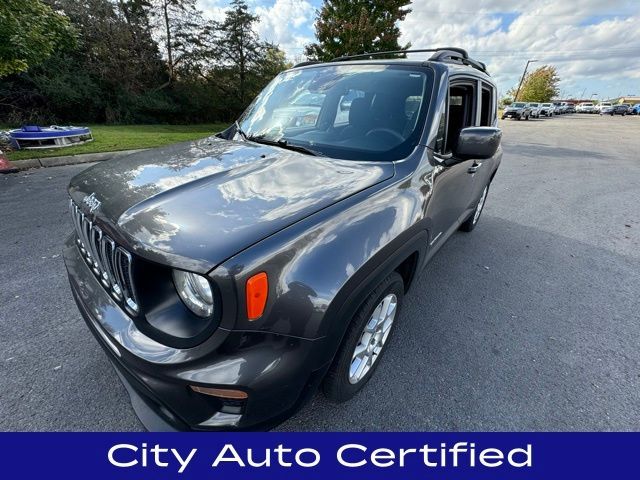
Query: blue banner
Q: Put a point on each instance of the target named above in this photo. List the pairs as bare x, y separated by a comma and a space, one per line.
320, 455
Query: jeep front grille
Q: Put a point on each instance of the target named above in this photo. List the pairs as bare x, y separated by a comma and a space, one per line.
111, 263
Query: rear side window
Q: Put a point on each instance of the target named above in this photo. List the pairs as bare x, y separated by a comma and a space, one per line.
487, 110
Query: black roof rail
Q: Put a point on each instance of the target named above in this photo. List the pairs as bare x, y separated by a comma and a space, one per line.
308, 62
378, 54
443, 54
457, 55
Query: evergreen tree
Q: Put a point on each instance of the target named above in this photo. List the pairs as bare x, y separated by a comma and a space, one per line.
245, 64
346, 27
237, 45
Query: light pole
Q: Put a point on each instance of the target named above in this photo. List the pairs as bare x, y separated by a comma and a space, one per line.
522, 79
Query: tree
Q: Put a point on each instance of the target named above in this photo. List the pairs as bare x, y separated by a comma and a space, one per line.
244, 62
274, 62
139, 61
540, 85
237, 44
346, 27
30, 32
181, 26
108, 77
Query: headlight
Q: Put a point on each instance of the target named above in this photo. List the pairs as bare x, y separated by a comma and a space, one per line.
195, 291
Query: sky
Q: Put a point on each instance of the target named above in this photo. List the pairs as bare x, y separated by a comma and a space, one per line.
595, 44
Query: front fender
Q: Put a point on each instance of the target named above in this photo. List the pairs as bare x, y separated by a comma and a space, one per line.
320, 264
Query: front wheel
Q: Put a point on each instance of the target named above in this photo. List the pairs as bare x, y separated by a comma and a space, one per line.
365, 341
470, 223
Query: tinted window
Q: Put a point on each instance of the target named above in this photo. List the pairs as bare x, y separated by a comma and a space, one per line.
486, 112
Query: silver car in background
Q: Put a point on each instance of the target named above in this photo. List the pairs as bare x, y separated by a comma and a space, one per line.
535, 109
546, 109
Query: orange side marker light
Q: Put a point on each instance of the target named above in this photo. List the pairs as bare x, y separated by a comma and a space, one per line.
257, 291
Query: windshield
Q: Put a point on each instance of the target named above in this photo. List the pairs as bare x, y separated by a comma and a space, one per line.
533, 104
367, 111
519, 105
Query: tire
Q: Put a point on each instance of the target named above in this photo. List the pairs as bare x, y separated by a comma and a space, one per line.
470, 223
342, 381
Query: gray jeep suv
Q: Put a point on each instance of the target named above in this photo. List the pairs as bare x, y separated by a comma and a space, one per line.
229, 277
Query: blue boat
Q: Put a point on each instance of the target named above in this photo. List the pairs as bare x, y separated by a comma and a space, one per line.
33, 136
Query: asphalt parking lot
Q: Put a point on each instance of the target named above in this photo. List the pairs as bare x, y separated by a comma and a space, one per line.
532, 322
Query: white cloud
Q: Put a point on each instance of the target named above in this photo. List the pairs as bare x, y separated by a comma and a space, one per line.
594, 43
287, 23
590, 41
281, 24
213, 9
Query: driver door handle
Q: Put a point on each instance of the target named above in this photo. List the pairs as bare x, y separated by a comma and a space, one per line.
474, 168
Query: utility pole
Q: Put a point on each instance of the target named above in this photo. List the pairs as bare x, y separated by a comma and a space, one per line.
522, 79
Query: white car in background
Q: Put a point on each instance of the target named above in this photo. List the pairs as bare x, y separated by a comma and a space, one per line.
535, 109
605, 108
586, 107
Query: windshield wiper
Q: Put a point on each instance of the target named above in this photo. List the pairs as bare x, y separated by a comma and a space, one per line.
241, 132
282, 143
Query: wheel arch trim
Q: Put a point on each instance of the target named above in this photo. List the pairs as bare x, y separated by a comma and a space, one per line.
355, 291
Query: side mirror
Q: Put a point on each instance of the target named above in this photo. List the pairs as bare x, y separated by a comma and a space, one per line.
477, 142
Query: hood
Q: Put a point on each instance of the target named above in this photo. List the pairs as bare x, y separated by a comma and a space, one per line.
196, 204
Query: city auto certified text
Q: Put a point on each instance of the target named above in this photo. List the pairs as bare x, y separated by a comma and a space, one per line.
352, 455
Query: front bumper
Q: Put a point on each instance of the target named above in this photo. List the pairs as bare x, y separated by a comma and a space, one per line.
512, 114
277, 372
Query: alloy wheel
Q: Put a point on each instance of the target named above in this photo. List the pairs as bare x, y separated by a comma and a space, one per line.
476, 214
373, 338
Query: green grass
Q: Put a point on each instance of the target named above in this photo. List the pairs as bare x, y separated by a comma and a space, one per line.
111, 138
